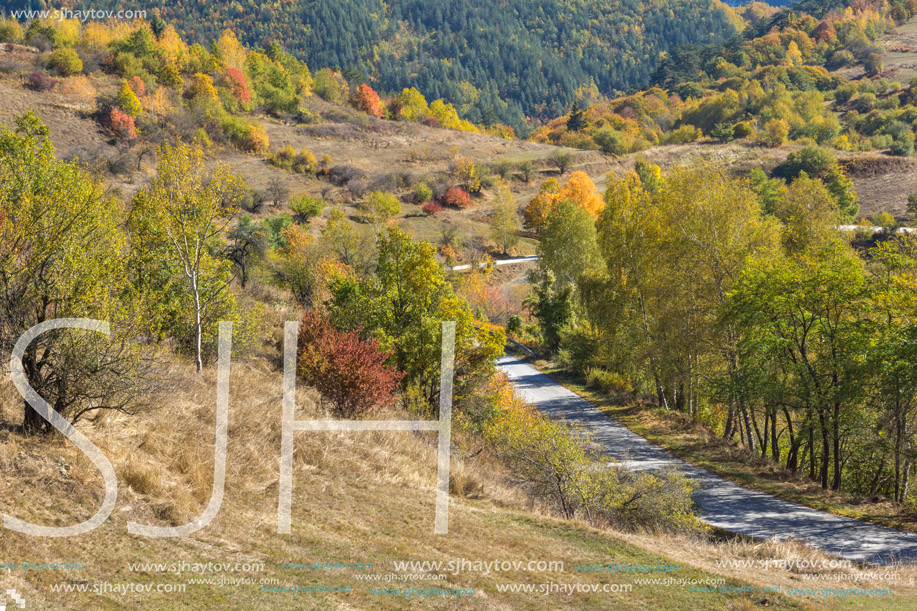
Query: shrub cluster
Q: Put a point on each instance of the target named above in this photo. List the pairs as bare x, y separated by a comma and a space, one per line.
349, 371
430, 208
456, 197
40, 81
560, 466
306, 208
608, 381
302, 163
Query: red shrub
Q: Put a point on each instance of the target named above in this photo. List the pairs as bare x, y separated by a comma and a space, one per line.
431, 122
236, 82
431, 208
122, 124
40, 81
457, 197
137, 86
367, 100
349, 371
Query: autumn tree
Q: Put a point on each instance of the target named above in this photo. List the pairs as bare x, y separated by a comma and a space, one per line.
580, 190
776, 132
353, 244
468, 175
378, 208
122, 124
403, 306
229, 51
127, 100
306, 207
504, 219
307, 267
62, 255
456, 197
631, 234
183, 214
715, 231
568, 243
540, 206
238, 85
410, 105
367, 100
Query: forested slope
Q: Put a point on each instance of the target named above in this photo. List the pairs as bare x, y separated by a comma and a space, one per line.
495, 61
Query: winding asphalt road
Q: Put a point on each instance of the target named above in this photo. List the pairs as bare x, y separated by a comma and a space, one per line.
722, 503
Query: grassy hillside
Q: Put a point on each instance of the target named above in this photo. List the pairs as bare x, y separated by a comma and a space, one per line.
359, 498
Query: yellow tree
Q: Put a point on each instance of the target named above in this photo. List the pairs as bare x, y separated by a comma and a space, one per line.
410, 105
173, 47
230, 51
540, 206
581, 191
185, 211
631, 236
504, 220
713, 233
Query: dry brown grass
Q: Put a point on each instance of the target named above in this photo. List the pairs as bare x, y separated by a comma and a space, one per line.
71, 132
357, 496
78, 90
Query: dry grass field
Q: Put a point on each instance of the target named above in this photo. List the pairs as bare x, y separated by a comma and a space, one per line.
358, 498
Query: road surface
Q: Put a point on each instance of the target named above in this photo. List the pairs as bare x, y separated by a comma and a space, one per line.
721, 503
529, 259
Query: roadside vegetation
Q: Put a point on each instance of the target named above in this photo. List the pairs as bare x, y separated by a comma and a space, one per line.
743, 309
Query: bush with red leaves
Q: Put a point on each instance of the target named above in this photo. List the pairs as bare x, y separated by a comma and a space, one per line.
456, 197
137, 86
367, 100
237, 84
40, 81
431, 122
431, 208
122, 124
349, 371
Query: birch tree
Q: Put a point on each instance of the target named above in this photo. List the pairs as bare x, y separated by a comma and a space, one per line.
182, 217
504, 220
